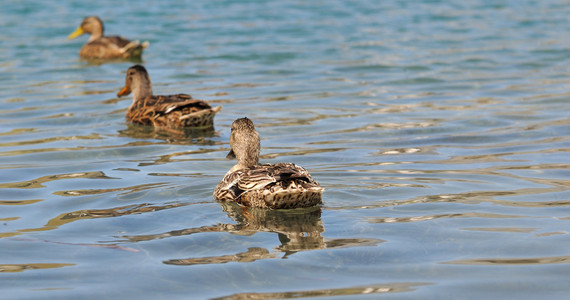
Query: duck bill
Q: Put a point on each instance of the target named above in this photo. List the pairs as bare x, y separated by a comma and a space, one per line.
76, 33
124, 91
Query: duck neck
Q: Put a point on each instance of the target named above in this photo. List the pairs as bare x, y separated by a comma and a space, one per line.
141, 90
248, 161
248, 157
95, 36
96, 32
245, 164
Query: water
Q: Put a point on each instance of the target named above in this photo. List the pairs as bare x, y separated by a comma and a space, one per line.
439, 130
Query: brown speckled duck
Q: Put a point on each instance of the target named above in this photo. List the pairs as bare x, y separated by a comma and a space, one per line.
168, 111
281, 185
105, 47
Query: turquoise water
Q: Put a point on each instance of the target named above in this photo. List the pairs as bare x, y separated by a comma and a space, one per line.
439, 129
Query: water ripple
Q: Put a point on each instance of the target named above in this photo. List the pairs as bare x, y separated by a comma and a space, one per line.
33, 266
513, 261
38, 182
397, 287
439, 130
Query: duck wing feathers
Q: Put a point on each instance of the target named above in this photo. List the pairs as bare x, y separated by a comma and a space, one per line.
112, 47
178, 110
282, 185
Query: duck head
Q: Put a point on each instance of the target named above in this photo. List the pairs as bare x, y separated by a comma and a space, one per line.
91, 25
244, 143
138, 82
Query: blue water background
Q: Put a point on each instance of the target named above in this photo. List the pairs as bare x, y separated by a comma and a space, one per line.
439, 129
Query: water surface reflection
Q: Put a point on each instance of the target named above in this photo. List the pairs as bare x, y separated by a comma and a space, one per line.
297, 230
428, 127
179, 136
397, 287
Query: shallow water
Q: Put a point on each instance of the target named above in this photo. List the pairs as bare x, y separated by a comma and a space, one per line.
439, 130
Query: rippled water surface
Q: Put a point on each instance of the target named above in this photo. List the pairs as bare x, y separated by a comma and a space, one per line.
439, 129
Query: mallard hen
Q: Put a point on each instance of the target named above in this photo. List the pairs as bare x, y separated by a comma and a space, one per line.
170, 111
105, 47
281, 185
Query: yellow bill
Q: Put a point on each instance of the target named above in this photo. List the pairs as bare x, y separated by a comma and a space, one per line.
124, 91
76, 33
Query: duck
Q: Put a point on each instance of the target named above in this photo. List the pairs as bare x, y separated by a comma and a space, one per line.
270, 186
163, 111
105, 47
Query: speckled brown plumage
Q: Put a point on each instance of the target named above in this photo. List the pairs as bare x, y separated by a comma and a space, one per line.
172, 111
275, 186
105, 47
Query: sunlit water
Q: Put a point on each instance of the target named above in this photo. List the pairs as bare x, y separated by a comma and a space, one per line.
439, 129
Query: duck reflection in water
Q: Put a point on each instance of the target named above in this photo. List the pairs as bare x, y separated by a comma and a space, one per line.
297, 230
184, 136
